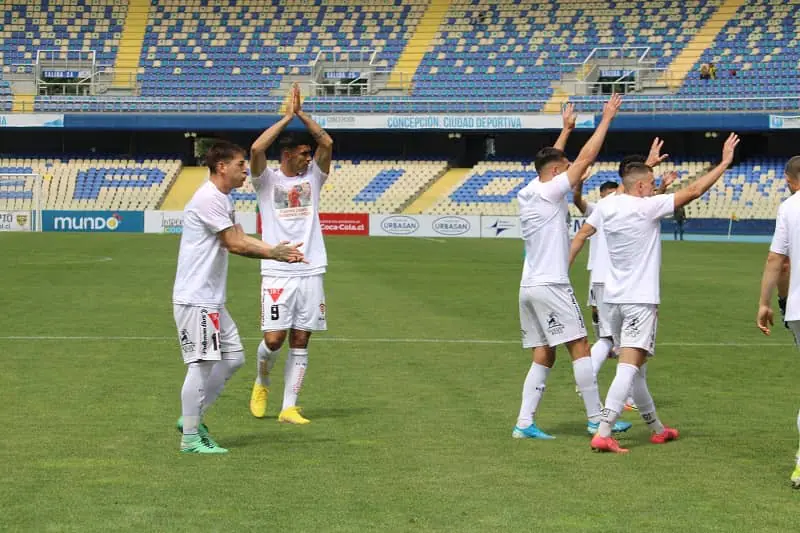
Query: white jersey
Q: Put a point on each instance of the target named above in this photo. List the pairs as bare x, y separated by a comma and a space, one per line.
786, 241
632, 227
544, 217
598, 252
202, 259
290, 212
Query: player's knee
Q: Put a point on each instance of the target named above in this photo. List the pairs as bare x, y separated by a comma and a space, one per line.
299, 339
274, 340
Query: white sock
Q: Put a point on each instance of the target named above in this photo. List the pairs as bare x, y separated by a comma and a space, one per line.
798, 429
293, 375
643, 399
532, 391
586, 380
193, 394
600, 350
266, 360
220, 374
615, 400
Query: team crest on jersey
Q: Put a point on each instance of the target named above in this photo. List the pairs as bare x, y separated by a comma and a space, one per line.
274, 294
554, 325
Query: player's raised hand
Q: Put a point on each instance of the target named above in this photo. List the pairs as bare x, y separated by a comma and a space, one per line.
611, 107
288, 253
669, 178
569, 116
297, 105
729, 148
764, 319
654, 158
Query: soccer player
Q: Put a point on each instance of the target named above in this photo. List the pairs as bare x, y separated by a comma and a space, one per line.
209, 339
632, 225
549, 314
598, 255
785, 248
292, 296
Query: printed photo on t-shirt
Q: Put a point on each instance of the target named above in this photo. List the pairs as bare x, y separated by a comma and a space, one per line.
294, 201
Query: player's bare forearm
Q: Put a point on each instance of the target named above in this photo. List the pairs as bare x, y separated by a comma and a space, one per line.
700, 186
258, 150
324, 141
772, 273
561, 142
578, 200
575, 247
589, 152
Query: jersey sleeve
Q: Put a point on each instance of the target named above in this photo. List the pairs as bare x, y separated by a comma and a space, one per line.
555, 189
590, 208
780, 239
660, 206
317, 173
262, 179
214, 214
595, 219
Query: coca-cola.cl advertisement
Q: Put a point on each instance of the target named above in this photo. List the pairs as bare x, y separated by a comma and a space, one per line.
344, 223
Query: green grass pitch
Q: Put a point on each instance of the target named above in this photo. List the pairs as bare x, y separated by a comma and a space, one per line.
407, 433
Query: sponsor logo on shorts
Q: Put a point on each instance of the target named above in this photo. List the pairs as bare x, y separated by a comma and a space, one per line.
554, 325
187, 346
322, 310
632, 329
205, 338
214, 317
274, 294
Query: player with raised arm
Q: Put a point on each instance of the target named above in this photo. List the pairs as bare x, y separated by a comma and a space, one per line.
785, 248
598, 255
292, 296
209, 339
631, 222
549, 314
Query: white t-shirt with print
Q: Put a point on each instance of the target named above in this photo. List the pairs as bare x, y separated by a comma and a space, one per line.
289, 209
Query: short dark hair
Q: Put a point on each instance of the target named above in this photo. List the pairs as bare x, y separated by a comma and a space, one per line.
548, 155
793, 168
608, 185
627, 160
636, 168
293, 140
222, 152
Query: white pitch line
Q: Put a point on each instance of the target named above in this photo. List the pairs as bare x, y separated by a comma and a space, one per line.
364, 340
434, 240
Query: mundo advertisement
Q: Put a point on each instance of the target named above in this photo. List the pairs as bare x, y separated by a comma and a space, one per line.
93, 221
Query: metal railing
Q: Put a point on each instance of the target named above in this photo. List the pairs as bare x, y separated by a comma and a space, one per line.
323, 105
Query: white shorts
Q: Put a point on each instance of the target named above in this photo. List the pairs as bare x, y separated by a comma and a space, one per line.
206, 333
634, 325
549, 315
596, 293
293, 303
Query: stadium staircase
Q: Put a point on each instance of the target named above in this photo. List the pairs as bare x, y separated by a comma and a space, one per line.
684, 62
130, 46
185, 185
23, 103
437, 190
419, 43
